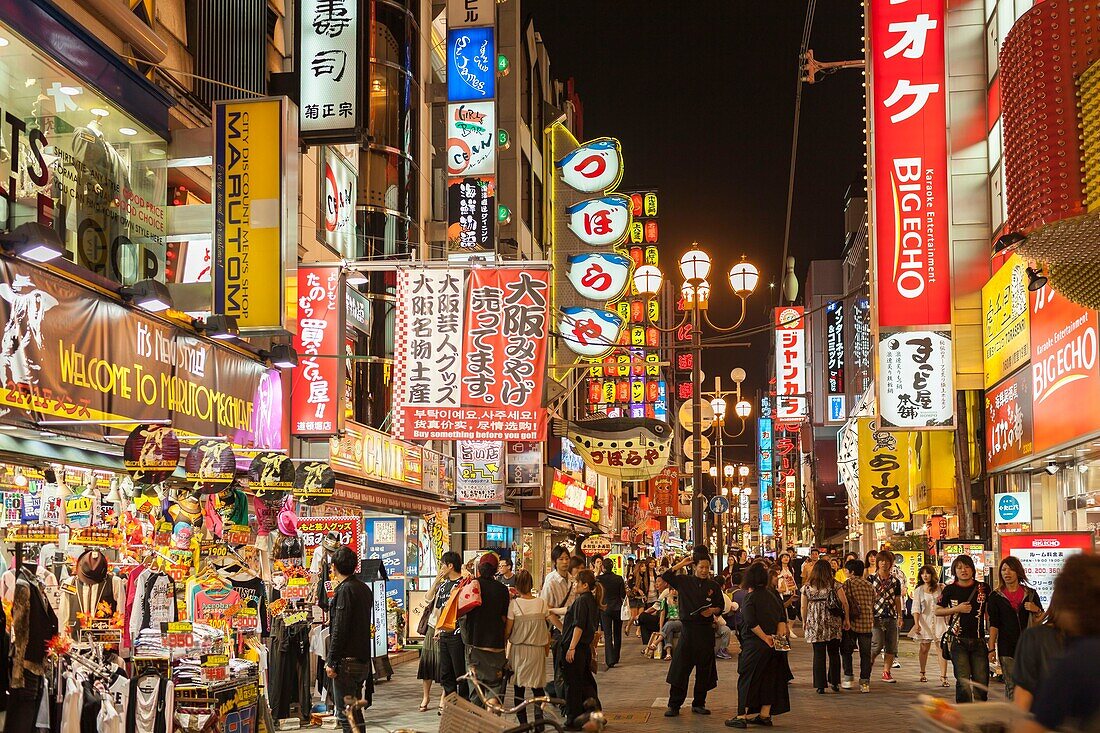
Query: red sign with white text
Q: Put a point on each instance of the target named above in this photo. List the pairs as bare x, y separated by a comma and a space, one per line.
909, 162
571, 496
1065, 375
663, 493
1044, 554
1008, 423
318, 381
791, 384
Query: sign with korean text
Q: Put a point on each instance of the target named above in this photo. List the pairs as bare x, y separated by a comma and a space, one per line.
480, 466
570, 496
463, 13
663, 493
338, 184
883, 473
471, 214
834, 348
912, 261
1043, 556
1008, 423
1005, 320
1065, 375
317, 381
791, 384
371, 454
255, 210
470, 357
471, 139
330, 36
471, 64
916, 380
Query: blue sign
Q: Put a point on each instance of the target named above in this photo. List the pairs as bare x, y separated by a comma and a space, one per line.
719, 505
836, 408
767, 527
498, 534
1008, 507
764, 443
385, 540
471, 64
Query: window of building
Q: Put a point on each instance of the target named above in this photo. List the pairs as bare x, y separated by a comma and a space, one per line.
525, 189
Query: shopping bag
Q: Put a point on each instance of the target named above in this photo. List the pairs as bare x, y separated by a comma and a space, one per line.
448, 615
624, 612
469, 596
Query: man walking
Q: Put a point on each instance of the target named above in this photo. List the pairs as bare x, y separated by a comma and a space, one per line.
887, 610
349, 653
506, 577
861, 603
611, 620
556, 589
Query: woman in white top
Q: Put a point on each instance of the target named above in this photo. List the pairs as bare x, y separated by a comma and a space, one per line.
788, 589
529, 642
928, 628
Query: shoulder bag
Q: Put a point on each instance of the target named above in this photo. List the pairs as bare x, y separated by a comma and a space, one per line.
952, 633
469, 596
833, 604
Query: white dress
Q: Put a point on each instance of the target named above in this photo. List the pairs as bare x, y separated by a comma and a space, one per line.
932, 627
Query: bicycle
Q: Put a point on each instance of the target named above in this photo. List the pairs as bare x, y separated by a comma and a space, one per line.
593, 721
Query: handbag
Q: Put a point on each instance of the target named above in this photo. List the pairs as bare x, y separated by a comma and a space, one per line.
952, 634
422, 625
624, 612
469, 596
833, 605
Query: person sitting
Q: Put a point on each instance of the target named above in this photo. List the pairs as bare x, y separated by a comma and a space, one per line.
671, 627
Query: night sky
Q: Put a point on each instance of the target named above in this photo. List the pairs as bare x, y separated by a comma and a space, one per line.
702, 96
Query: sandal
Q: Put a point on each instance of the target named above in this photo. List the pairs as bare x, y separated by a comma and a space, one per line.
923, 678
943, 681
423, 707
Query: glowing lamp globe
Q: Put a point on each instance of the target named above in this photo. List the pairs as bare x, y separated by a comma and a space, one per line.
695, 265
744, 277
647, 280
743, 409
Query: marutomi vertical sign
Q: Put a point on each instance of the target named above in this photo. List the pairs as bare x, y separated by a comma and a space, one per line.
790, 364
909, 157
255, 210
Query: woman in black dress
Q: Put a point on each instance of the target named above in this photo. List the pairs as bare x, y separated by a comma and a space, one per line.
762, 671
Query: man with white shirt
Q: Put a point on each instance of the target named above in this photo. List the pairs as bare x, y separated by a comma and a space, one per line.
557, 589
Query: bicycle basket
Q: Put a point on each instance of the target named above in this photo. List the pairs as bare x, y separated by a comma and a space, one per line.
462, 716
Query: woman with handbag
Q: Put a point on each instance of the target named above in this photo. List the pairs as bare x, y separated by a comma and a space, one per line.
966, 601
427, 671
928, 628
1012, 608
824, 614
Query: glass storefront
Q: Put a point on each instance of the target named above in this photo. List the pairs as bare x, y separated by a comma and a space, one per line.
77, 163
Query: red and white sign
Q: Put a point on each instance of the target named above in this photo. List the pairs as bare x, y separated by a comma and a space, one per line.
318, 381
1043, 555
312, 531
1008, 423
790, 363
663, 492
1065, 375
909, 162
570, 496
470, 353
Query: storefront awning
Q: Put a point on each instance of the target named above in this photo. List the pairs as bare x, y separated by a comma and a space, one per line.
369, 497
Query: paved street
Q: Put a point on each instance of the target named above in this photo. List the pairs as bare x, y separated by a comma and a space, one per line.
634, 696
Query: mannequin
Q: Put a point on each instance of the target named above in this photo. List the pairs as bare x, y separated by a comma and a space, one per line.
91, 586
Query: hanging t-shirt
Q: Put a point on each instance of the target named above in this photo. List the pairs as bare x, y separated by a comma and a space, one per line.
151, 705
253, 592
214, 601
154, 602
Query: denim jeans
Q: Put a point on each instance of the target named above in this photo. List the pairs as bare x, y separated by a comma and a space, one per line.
848, 643
1007, 663
884, 635
345, 684
822, 649
971, 660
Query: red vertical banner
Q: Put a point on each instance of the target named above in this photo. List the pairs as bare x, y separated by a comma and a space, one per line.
318, 380
664, 493
908, 142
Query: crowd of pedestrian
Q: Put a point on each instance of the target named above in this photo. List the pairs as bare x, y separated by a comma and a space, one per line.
546, 642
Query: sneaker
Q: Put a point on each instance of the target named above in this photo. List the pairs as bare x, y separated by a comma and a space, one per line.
847, 683
897, 664
864, 686
672, 712
886, 677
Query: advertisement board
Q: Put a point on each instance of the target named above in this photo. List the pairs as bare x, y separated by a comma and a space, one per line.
384, 539
883, 473
1005, 321
312, 530
330, 36
948, 550
471, 214
471, 139
908, 154
255, 210
462, 13
1008, 421
663, 493
524, 460
791, 384
480, 466
910, 562
316, 406
764, 464
1043, 555
470, 357
339, 185
1012, 508
370, 454
916, 380
570, 496
1064, 372
834, 350
471, 64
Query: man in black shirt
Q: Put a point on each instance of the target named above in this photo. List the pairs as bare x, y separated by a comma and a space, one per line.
700, 600
349, 653
483, 630
611, 620
578, 633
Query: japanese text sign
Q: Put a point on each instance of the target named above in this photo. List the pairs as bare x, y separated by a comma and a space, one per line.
463, 13
1008, 431
316, 389
470, 356
471, 214
312, 530
480, 465
663, 493
471, 64
330, 36
1043, 556
790, 363
883, 473
1005, 335
834, 346
571, 496
916, 380
908, 141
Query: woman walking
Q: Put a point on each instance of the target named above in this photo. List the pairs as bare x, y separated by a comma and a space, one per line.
427, 671
928, 628
1012, 608
762, 671
579, 627
529, 642
966, 603
825, 613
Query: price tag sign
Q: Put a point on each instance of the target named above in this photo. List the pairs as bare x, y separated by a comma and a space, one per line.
178, 572
330, 590
213, 548
215, 667
296, 588
296, 618
246, 619
178, 634
237, 534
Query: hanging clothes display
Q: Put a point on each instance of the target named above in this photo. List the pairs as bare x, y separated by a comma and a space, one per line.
289, 677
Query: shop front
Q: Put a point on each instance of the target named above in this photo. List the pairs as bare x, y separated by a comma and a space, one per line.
401, 492
566, 512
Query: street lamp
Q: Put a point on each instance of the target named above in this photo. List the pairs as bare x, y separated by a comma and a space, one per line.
743, 409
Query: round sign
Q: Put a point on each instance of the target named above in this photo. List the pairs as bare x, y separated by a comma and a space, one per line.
689, 447
151, 453
1008, 508
314, 483
271, 475
597, 544
719, 504
687, 415
211, 464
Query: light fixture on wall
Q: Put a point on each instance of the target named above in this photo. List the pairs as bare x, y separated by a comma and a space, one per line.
1036, 280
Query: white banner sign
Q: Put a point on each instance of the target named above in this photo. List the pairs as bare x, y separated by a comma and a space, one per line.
790, 364
339, 183
434, 303
329, 65
916, 380
480, 472
471, 139
462, 13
